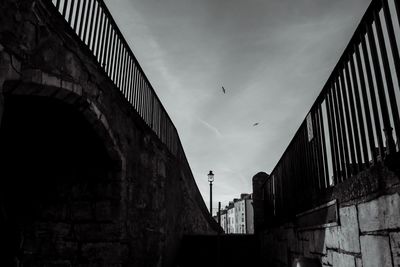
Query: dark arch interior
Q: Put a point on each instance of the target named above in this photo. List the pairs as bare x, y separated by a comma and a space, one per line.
53, 169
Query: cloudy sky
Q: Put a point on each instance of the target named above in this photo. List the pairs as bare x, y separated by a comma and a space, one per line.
271, 56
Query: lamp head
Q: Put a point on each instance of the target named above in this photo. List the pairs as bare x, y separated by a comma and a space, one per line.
210, 177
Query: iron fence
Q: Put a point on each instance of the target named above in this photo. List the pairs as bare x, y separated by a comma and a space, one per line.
93, 24
353, 124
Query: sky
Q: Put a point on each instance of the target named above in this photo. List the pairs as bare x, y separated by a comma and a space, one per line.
271, 56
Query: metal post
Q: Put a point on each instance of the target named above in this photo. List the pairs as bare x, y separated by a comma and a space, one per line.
219, 212
211, 198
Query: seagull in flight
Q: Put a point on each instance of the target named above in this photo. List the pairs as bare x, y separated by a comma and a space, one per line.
255, 124
223, 90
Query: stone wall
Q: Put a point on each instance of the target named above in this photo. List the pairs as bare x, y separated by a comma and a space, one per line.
258, 203
156, 200
367, 233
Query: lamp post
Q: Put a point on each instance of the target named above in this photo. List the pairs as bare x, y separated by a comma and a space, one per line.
210, 180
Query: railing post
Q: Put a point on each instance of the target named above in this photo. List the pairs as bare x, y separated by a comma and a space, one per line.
363, 92
70, 11
77, 15
389, 83
349, 146
98, 39
64, 11
353, 121
397, 5
333, 136
356, 92
152, 111
392, 37
324, 152
86, 28
91, 25
388, 130
373, 99
344, 152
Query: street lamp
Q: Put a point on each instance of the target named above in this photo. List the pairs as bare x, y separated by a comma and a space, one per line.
210, 180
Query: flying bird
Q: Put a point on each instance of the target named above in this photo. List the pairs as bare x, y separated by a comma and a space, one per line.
223, 90
255, 124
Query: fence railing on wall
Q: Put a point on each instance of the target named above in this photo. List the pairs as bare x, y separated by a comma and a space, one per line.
353, 124
96, 28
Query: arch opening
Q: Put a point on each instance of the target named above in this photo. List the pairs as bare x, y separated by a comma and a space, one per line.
58, 192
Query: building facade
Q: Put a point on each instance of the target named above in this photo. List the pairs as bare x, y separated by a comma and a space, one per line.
230, 210
237, 217
224, 220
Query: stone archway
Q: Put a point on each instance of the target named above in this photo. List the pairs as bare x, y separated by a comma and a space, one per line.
59, 194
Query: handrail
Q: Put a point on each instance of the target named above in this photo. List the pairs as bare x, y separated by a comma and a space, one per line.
349, 126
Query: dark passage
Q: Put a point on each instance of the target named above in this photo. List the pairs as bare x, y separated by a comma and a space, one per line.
219, 250
54, 182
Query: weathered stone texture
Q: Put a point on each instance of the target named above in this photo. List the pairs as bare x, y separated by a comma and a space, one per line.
375, 251
348, 232
318, 243
395, 244
341, 245
344, 237
327, 259
331, 237
342, 260
359, 262
380, 214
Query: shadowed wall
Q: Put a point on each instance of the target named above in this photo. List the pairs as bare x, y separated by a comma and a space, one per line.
128, 200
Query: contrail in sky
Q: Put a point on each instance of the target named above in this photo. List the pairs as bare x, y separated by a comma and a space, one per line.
212, 128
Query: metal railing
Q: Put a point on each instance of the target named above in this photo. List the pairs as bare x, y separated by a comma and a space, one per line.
350, 125
96, 28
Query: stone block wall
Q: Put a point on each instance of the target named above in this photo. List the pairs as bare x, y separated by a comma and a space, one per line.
153, 201
367, 233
